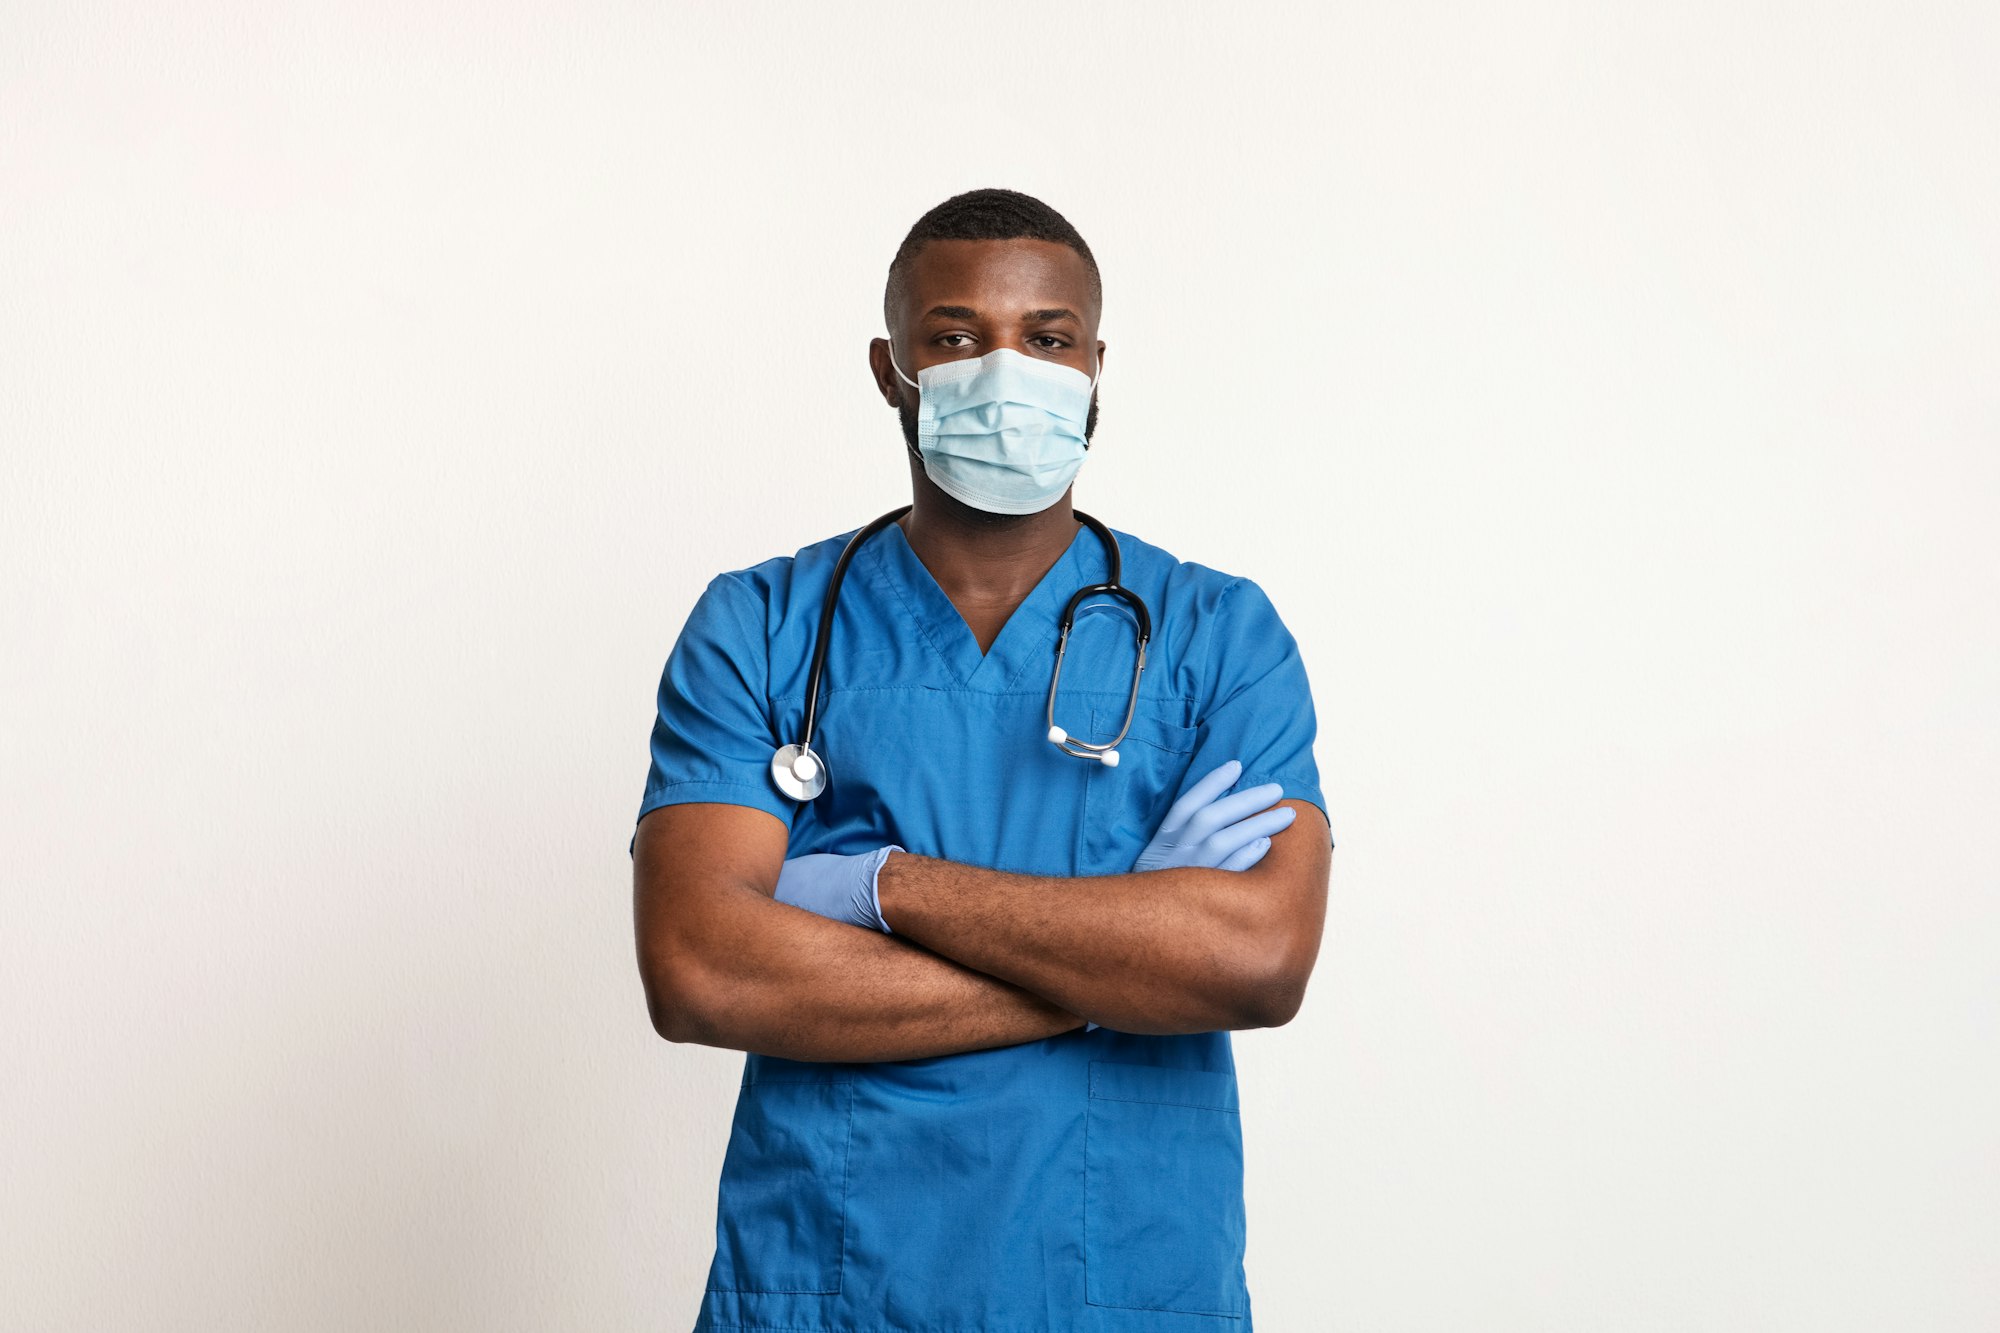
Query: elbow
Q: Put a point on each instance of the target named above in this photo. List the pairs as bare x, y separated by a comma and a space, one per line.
672, 1020
1271, 1002
674, 1000
1279, 946
1272, 981
1267, 997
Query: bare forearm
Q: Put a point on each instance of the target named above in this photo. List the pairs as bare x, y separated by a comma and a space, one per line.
1185, 950
767, 977
723, 964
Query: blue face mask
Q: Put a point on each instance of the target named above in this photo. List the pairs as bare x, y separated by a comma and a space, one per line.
1001, 432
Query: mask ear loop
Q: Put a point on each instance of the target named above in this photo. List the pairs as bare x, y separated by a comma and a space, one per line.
914, 453
1095, 375
890, 343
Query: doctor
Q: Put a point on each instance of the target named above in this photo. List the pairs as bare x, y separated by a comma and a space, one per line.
985, 986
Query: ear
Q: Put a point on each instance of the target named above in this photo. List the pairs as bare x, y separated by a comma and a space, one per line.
887, 382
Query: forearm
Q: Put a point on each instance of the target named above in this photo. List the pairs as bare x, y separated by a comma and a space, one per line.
1168, 951
723, 964
757, 975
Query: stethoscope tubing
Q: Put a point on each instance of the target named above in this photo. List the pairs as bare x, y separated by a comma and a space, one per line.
1104, 751
827, 607
800, 772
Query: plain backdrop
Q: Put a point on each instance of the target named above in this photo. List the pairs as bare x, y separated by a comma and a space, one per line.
1606, 395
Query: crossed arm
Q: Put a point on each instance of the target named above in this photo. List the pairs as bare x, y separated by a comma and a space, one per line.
980, 958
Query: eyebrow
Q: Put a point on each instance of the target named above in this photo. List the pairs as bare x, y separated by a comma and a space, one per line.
1030, 317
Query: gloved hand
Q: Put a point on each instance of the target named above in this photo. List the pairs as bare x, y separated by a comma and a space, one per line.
838, 887
1207, 828
1223, 832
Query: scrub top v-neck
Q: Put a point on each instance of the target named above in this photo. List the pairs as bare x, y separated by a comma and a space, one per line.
1088, 1182
1024, 642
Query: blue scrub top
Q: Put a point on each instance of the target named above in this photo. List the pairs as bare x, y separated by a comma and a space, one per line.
1090, 1182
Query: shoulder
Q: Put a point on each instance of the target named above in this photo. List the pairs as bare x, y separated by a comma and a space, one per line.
1188, 588
1214, 628
781, 571
1145, 562
777, 582
762, 608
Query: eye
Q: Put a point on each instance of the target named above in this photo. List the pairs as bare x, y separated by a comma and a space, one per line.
1049, 338
940, 339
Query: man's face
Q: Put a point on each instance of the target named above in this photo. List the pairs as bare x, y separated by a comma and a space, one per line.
963, 299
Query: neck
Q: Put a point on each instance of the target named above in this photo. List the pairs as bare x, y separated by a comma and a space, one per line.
984, 559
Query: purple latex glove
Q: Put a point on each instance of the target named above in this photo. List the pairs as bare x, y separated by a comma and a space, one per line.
841, 888
1210, 827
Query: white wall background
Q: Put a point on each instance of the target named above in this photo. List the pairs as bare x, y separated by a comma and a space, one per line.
1606, 393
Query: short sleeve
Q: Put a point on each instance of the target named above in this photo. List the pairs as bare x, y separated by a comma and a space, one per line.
1260, 711
713, 736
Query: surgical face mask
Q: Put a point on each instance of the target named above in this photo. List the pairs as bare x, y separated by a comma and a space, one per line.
1001, 432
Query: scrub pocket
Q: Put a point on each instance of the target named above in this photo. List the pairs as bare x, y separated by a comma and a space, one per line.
1163, 1224
1123, 806
781, 1210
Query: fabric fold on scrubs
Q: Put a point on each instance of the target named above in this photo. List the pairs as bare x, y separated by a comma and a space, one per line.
1090, 1182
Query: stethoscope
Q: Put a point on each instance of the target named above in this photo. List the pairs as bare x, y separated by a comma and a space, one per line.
801, 773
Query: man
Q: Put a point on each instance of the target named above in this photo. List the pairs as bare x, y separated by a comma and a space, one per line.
990, 1084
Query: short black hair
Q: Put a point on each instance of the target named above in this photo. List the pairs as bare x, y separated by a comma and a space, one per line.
986, 215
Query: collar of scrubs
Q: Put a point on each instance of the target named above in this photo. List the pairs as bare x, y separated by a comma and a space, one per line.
1025, 644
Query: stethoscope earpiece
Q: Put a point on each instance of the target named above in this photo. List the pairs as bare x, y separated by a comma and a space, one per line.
1060, 739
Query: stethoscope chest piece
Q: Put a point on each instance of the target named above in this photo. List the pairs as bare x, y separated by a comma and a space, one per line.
799, 773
